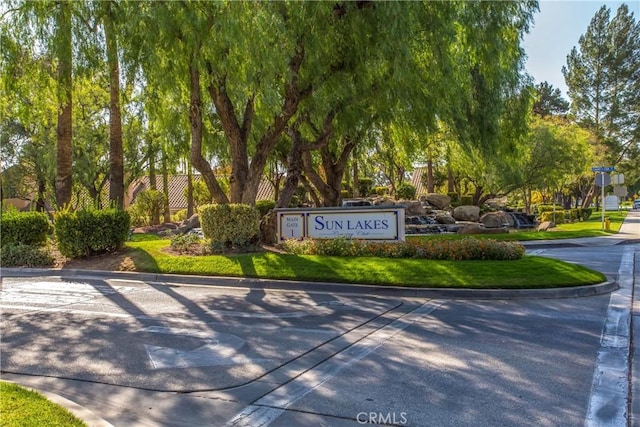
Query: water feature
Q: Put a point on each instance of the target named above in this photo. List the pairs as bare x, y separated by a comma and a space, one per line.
521, 220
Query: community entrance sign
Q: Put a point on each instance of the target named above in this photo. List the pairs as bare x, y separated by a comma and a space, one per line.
367, 223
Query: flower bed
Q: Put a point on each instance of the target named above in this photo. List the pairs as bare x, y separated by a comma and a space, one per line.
438, 249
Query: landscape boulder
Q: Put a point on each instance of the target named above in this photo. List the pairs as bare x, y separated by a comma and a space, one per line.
413, 207
546, 225
445, 219
383, 202
438, 201
189, 224
467, 213
495, 220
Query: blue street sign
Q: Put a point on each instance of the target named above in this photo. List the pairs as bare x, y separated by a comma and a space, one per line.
602, 169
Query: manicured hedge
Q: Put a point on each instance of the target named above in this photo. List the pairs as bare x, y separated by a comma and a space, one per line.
230, 225
89, 232
27, 228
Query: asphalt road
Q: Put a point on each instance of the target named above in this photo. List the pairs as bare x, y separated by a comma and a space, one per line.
154, 354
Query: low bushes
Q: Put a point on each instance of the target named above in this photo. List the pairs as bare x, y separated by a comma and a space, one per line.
438, 249
27, 228
19, 255
24, 236
406, 191
182, 243
230, 225
264, 206
88, 232
545, 213
149, 204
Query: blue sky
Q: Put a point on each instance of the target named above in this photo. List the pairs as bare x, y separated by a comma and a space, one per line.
557, 28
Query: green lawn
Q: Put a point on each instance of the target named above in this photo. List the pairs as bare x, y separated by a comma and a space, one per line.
590, 228
20, 407
148, 256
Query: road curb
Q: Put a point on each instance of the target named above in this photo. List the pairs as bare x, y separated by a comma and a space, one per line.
342, 288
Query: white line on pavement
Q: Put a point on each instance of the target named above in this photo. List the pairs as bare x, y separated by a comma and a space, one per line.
272, 405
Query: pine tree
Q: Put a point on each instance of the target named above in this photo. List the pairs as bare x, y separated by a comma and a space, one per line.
603, 77
549, 101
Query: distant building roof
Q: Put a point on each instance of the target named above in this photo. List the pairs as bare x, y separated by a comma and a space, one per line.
416, 180
177, 185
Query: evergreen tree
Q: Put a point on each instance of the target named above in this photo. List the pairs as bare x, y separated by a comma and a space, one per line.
549, 101
603, 76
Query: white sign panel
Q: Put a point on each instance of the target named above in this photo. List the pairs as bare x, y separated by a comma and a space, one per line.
620, 190
291, 225
365, 223
354, 225
617, 179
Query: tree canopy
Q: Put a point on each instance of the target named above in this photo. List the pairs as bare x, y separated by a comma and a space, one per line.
307, 90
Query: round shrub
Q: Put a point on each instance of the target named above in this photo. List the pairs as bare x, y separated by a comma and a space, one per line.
586, 213
365, 186
148, 204
19, 255
179, 216
406, 191
230, 225
27, 228
264, 206
380, 191
89, 232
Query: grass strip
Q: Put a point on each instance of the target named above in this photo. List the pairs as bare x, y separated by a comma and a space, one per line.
20, 407
530, 272
590, 228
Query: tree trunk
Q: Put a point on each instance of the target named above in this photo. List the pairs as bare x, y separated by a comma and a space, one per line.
153, 181
40, 202
588, 199
333, 169
165, 188
195, 120
189, 191
356, 179
246, 177
116, 155
151, 157
451, 187
430, 182
237, 135
64, 156
527, 201
294, 170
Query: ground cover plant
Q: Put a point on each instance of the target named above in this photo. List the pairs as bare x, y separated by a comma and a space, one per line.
22, 407
440, 249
